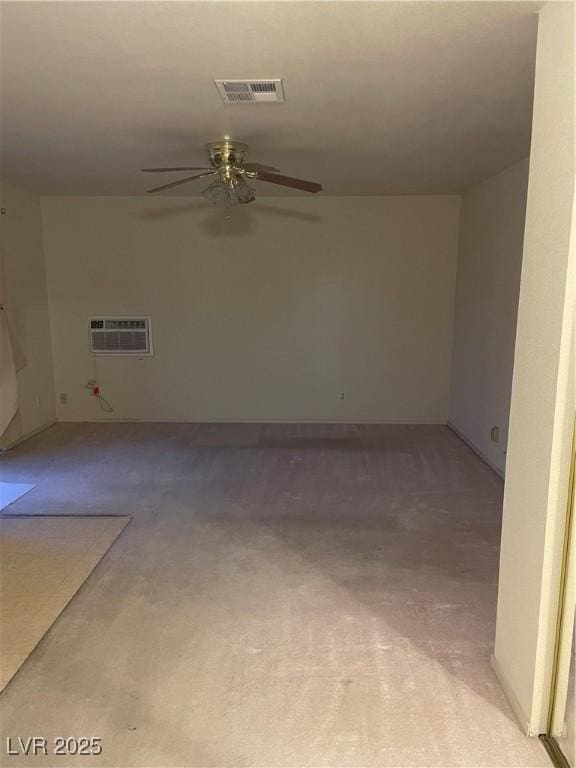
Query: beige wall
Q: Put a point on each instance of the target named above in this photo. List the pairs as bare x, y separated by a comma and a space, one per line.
487, 287
27, 308
543, 388
268, 316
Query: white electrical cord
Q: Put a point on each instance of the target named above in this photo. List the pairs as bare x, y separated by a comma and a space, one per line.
94, 387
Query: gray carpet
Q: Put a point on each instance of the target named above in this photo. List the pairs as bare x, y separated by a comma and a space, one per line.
285, 596
44, 560
11, 492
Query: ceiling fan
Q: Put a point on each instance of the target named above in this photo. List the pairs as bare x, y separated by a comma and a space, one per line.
227, 163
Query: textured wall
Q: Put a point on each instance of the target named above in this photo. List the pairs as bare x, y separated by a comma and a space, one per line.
543, 387
487, 287
27, 307
268, 316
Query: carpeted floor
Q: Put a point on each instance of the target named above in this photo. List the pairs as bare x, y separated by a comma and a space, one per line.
43, 563
11, 492
284, 596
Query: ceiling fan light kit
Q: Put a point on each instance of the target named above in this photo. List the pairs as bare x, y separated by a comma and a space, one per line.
228, 164
234, 192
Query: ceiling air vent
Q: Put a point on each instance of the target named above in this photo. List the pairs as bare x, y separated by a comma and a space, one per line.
120, 336
250, 91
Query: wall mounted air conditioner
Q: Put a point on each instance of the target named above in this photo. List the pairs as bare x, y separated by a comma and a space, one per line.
130, 336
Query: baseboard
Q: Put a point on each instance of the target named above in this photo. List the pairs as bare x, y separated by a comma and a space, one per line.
126, 420
23, 438
476, 450
521, 716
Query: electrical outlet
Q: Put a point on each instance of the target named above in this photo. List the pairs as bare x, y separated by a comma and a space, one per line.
495, 434
37, 401
341, 395
63, 398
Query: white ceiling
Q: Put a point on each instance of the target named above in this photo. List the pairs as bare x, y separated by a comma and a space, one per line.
381, 97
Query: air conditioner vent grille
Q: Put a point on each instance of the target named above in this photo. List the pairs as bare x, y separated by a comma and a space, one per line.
254, 91
239, 96
120, 336
269, 87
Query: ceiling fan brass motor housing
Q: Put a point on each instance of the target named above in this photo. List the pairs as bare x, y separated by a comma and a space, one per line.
225, 153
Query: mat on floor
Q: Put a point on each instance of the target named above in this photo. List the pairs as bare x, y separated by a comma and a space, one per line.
44, 560
10, 492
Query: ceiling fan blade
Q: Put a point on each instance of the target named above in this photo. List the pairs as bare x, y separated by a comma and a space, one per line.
183, 168
288, 181
258, 167
181, 181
